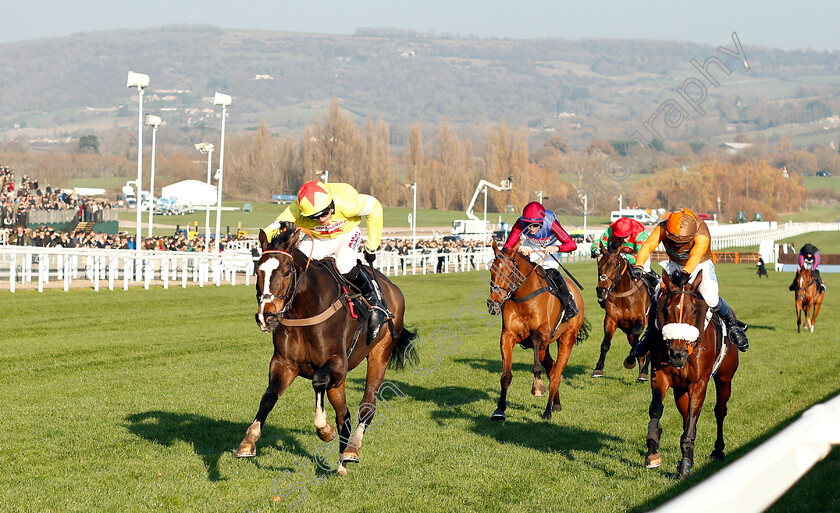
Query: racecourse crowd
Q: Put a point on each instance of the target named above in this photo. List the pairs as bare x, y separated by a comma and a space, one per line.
18, 198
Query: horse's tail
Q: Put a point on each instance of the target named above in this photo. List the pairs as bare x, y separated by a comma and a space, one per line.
404, 350
583, 332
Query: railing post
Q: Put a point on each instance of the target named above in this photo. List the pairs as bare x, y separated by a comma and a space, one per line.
13, 272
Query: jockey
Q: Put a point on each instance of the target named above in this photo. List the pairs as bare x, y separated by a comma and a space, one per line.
687, 242
332, 213
809, 254
629, 234
542, 236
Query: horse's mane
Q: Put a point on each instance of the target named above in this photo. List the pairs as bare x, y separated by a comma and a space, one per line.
281, 240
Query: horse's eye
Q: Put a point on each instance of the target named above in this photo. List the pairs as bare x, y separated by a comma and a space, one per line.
287, 273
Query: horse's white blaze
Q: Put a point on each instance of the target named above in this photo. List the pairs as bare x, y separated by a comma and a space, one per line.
267, 268
320, 412
680, 331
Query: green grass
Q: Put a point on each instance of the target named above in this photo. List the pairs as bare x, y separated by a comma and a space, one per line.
136, 401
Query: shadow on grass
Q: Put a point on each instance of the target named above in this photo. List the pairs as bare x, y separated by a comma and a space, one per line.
495, 367
210, 438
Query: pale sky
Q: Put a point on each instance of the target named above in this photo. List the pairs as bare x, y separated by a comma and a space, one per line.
773, 23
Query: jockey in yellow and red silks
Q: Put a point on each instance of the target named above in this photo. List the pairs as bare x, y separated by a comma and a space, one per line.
332, 213
687, 242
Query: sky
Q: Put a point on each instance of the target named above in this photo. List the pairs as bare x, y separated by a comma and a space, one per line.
803, 24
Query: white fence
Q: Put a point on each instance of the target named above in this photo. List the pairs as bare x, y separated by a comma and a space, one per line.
780, 232
754, 482
103, 267
394, 264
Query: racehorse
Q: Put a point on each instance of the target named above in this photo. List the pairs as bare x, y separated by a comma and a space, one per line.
808, 297
689, 352
531, 317
626, 302
315, 336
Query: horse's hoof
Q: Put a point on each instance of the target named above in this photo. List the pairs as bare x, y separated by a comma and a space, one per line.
498, 415
642, 378
547, 414
538, 389
717, 455
246, 450
597, 373
246, 453
326, 434
556, 407
653, 460
350, 456
341, 470
629, 362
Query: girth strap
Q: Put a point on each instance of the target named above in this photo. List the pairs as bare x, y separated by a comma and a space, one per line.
321, 317
530, 296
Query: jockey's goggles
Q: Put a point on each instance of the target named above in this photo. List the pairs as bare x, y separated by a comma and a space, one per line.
534, 225
318, 215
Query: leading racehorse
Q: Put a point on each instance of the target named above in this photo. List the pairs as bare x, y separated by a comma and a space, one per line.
531, 317
690, 351
315, 336
626, 302
808, 298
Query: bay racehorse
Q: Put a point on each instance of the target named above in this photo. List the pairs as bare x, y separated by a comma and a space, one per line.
315, 336
689, 352
808, 298
626, 302
531, 317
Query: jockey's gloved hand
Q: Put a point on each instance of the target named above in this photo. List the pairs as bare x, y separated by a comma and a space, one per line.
681, 279
594, 254
370, 256
637, 271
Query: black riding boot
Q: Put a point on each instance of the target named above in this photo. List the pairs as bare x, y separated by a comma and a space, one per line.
641, 347
793, 285
819, 281
651, 280
735, 328
378, 314
566, 297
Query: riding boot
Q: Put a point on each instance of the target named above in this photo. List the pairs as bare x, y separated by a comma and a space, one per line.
378, 314
640, 349
819, 280
651, 280
735, 328
569, 307
793, 285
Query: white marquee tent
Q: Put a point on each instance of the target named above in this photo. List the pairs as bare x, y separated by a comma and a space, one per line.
191, 192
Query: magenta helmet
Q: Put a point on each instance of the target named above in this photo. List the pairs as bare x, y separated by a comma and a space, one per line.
533, 213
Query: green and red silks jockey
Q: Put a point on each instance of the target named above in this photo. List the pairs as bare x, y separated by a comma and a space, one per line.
627, 232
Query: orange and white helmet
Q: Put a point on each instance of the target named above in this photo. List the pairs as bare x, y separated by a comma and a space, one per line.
314, 198
681, 226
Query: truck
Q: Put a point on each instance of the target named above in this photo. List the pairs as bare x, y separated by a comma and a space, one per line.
640, 215
473, 227
283, 198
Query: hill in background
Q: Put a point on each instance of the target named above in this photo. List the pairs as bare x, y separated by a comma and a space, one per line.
578, 90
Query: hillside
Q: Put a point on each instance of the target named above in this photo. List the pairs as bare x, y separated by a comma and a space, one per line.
580, 90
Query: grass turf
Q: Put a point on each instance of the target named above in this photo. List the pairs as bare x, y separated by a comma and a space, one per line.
136, 401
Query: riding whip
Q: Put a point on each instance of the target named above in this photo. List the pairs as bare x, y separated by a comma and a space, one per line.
566, 271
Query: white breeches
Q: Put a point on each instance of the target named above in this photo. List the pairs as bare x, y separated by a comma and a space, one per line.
708, 286
344, 248
538, 255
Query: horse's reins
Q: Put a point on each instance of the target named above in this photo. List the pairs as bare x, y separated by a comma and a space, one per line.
611, 289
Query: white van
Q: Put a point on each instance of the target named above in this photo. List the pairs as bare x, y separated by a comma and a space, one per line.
642, 216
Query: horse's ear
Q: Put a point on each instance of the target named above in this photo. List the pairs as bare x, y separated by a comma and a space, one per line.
601, 243
263, 240
495, 247
666, 280
697, 280
293, 239
516, 247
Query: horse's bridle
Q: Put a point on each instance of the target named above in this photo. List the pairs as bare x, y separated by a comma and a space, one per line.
290, 290
604, 277
518, 275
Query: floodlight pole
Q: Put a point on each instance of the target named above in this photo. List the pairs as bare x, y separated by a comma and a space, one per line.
152, 183
140, 81
208, 149
414, 217
224, 101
